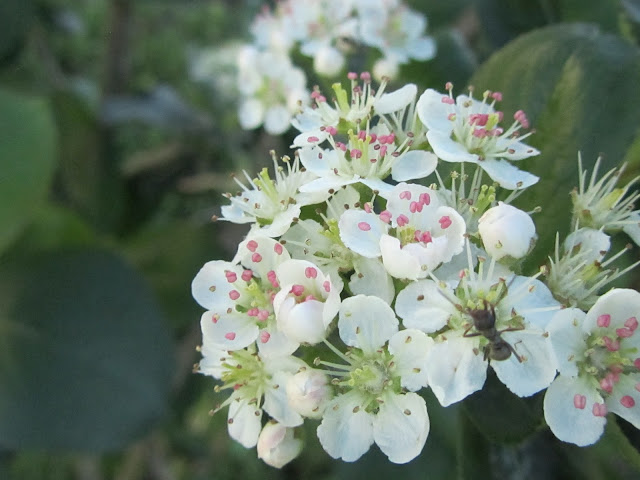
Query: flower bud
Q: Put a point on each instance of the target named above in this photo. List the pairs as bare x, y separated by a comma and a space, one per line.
308, 392
328, 61
385, 67
277, 445
506, 231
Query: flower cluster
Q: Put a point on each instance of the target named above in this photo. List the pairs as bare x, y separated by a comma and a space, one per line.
366, 277
271, 86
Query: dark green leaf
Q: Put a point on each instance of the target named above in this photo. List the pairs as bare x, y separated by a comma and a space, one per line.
500, 415
15, 19
579, 89
89, 178
27, 152
85, 361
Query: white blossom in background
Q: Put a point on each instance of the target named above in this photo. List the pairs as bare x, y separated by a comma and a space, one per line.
468, 130
507, 231
602, 205
396, 31
373, 406
598, 355
272, 90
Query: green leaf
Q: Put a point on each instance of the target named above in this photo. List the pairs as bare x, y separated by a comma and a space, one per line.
89, 180
85, 360
579, 88
27, 152
15, 19
500, 415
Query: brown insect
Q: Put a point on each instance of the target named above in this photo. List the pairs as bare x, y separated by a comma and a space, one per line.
484, 322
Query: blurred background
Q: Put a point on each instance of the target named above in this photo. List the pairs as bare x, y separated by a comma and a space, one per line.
118, 135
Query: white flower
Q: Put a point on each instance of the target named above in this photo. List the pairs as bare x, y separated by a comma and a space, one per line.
307, 302
507, 231
273, 90
368, 157
600, 205
237, 296
270, 204
577, 275
398, 112
599, 364
485, 320
257, 383
414, 235
467, 130
277, 445
373, 408
396, 30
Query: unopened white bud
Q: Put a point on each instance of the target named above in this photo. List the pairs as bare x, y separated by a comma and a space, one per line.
277, 445
308, 392
328, 61
506, 231
385, 67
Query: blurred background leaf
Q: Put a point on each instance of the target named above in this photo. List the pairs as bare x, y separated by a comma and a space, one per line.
27, 150
86, 356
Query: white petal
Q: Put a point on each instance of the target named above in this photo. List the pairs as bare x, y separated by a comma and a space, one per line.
409, 349
567, 340
228, 331
346, 430
633, 229
516, 150
318, 160
277, 120
210, 287
310, 137
276, 403
448, 149
537, 369
371, 278
455, 371
261, 254
627, 387
397, 262
301, 322
361, 231
424, 306
244, 422
251, 114
401, 426
507, 175
414, 164
620, 303
273, 343
281, 222
433, 113
395, 101
366, 322
530, 298
568, 423
381, 188
423, 48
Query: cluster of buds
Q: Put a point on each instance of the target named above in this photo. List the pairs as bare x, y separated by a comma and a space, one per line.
271, 86
361, 282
